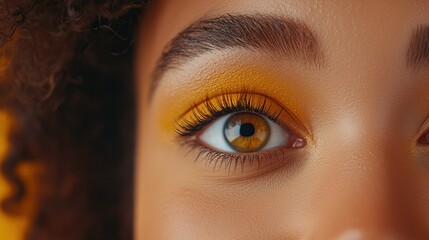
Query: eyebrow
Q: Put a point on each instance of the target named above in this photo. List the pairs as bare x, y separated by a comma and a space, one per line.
418, 51
266, 34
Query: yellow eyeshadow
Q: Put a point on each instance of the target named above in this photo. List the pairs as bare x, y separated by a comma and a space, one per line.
178, 97
215, 102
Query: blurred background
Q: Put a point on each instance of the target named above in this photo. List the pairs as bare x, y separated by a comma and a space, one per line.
13, 227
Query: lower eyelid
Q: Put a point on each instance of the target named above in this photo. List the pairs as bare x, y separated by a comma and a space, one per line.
230, 167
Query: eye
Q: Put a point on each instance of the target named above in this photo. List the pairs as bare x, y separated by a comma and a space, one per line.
248, 132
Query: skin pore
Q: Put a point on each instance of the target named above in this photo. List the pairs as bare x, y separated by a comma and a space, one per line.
349, 79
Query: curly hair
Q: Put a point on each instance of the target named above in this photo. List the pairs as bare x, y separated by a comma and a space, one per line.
73, 111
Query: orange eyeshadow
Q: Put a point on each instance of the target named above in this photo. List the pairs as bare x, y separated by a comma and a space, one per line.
177, 97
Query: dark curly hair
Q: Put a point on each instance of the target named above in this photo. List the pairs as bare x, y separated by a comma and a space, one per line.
69, 88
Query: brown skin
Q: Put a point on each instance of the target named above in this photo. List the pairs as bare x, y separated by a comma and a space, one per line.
362, 174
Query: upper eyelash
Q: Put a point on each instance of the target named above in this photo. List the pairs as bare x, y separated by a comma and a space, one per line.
203, 116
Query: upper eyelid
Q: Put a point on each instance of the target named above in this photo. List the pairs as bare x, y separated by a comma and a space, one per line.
247, 95
208, 98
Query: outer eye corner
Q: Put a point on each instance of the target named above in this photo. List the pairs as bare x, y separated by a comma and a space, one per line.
424, 138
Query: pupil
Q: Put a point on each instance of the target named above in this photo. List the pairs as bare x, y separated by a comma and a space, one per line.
247, 130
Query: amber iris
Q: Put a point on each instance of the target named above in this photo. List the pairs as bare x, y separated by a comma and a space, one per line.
246, 132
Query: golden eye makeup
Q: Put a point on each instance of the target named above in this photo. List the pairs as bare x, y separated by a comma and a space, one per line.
239, 120
191, 85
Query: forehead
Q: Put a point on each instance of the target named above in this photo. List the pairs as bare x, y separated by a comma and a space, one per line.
349, 26
331, 15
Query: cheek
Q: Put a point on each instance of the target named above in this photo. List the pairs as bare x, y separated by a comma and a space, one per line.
190, 213
174, 202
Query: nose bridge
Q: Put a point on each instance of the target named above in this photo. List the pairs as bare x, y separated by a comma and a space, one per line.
358, 183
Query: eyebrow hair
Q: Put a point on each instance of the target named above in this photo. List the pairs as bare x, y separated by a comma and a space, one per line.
418, 51
267, 34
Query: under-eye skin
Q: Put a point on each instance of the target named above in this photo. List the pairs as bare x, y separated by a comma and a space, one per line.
239, 130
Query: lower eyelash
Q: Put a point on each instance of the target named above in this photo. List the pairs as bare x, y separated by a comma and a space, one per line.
218, 159
231, 162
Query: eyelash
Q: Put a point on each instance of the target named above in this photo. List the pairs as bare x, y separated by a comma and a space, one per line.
202, 115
